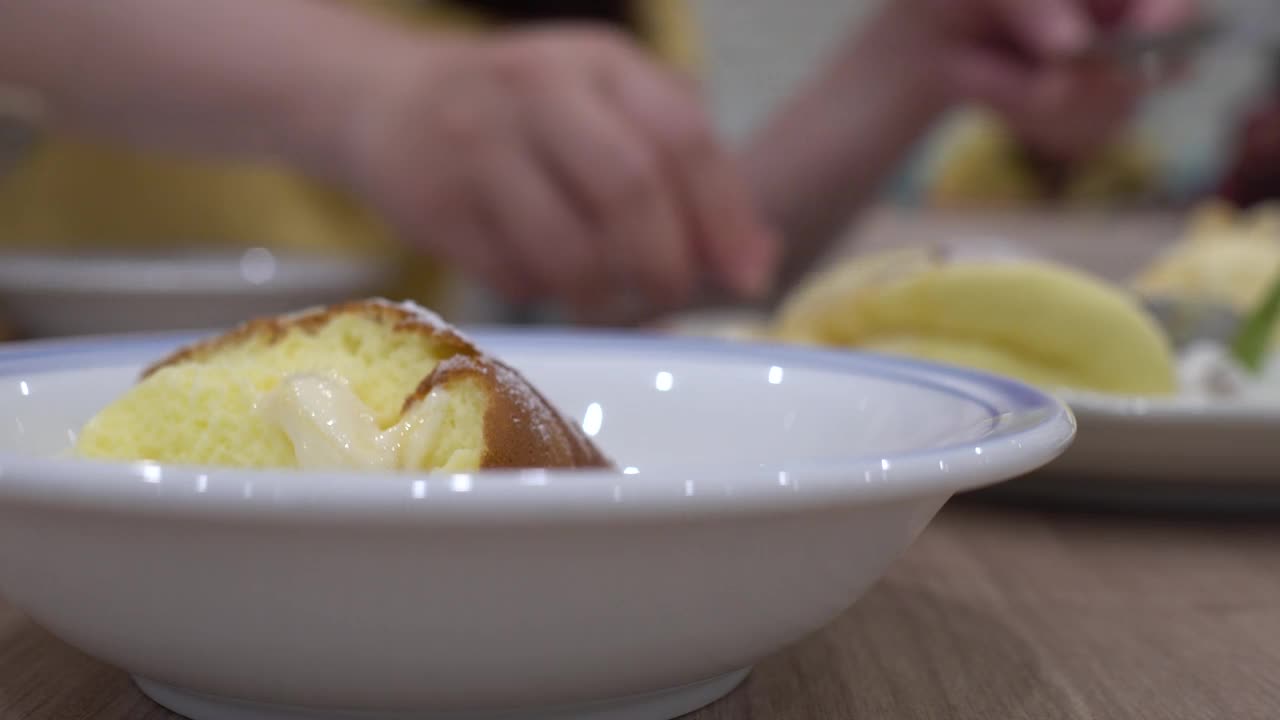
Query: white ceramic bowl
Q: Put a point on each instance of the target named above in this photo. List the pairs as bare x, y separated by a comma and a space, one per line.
1183, 453
50, 295
764, 489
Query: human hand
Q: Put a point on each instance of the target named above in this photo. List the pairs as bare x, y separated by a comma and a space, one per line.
558, 164
1019, 57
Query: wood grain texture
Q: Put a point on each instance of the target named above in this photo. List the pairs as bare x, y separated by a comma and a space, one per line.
995, 613
1011, 614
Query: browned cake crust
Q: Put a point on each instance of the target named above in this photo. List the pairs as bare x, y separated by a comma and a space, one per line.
522, 429
402, 317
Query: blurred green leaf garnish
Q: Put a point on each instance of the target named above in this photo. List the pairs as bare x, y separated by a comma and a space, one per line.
1253, 339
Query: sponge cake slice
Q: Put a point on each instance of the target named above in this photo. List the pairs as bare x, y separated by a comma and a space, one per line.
367, 384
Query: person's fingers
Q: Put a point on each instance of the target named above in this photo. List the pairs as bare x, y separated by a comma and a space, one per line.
479, 249
1090, 107
731, 238
536, 227
1175, 70
613, 174
453, 218
1161, 14
1106, 13
415, 166
439, 214
1089, 90
444, 219
1041, 89
1048, 29
992, 78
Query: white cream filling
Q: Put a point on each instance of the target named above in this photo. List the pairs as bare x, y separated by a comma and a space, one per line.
330, 427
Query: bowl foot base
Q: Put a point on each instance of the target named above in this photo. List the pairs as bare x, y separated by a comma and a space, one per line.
659, 705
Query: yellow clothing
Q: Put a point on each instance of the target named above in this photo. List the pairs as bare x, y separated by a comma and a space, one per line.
72, 193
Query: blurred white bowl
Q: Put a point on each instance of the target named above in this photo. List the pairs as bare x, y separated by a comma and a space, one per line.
762, 490
51, 295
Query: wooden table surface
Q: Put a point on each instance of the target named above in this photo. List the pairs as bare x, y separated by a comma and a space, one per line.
996, 613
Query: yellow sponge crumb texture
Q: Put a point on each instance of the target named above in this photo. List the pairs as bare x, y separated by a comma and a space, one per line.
202, 411
459, 445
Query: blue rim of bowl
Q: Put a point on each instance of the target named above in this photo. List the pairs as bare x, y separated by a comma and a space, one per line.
1019, 449
18, 356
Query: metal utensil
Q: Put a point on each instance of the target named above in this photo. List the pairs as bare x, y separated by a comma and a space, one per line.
1128, 44
1254, 31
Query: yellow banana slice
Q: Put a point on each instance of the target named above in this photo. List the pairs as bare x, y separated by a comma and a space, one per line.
1034, 320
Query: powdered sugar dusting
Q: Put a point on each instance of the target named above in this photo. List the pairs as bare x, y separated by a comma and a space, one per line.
419, 313
541, 418
422, 315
